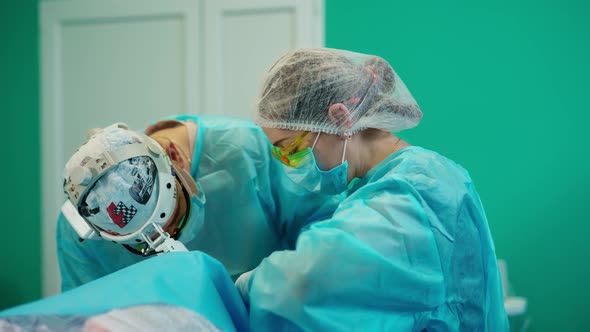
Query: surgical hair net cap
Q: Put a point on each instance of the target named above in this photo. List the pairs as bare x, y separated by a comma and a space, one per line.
124, 197
299, 89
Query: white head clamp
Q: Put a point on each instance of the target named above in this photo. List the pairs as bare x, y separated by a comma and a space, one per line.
116, 209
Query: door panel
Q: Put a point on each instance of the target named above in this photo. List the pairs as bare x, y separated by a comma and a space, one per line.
104, 62
135, 61
242, 39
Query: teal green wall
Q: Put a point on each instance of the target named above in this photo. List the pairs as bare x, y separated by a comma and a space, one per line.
504, 87
20, 239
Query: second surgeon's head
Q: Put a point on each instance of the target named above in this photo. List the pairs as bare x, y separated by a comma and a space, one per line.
330, 106
124, 184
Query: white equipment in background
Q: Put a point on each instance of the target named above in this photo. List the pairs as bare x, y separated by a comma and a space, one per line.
515, 306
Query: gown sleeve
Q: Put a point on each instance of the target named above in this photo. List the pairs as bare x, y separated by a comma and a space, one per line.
75, 265
373, 266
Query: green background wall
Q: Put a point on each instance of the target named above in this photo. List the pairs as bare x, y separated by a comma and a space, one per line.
20, 232
503, 87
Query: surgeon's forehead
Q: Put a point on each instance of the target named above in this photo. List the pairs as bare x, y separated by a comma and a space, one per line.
280, 137
161, 125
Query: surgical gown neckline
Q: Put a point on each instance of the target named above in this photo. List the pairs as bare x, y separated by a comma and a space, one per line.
383, 163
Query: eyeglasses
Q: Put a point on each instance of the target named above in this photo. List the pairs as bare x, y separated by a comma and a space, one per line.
293, 154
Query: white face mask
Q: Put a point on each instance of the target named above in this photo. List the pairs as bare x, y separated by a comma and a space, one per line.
308, 175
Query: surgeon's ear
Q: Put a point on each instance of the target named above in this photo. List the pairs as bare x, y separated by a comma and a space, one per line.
175, 155
340, 116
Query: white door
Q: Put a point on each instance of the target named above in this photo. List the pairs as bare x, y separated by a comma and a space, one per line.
243, 38
103, 62
134, 61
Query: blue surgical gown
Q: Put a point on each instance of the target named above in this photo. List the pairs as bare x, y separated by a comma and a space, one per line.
409, 249
251, 207
191, 280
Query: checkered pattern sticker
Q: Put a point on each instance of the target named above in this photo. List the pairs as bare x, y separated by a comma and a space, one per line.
121, 214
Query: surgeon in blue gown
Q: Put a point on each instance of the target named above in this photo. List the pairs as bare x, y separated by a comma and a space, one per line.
251, 207
408, 249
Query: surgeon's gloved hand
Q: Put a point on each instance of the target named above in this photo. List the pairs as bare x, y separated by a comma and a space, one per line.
243, 285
